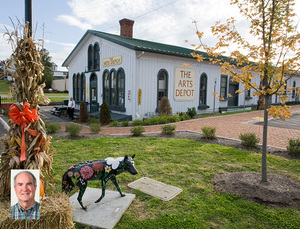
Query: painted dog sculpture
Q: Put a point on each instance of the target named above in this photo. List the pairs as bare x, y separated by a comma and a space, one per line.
103, 170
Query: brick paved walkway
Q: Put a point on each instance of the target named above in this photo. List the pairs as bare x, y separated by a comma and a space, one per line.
228, 126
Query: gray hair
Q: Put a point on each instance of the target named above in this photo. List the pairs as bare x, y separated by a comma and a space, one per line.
29, 173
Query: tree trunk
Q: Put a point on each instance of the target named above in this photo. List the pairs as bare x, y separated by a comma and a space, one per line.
264, 177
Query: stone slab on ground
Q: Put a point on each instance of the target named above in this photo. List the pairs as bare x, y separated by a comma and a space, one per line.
155, 188
105, 214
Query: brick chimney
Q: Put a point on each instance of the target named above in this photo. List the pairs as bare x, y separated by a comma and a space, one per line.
126, 27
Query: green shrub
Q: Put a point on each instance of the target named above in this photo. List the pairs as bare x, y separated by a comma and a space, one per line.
95, 128
294, 146
184, 117
137, 130
52, 127
147, 122
93, 120
209, 132
191, 112
152, 121
83, 113
5, 109
104, 114
125, 123
114, 123
73, 129
137, 122
249, 139
6, 113
168, 129
173, 118
162, 119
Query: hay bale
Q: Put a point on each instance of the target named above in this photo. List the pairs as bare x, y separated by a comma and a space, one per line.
55, 212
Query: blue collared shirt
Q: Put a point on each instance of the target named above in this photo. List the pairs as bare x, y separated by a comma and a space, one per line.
17, 212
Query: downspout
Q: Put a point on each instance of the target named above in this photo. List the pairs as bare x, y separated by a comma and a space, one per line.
140, 55
137, 116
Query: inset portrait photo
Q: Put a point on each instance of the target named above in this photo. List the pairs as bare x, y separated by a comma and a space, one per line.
25, 194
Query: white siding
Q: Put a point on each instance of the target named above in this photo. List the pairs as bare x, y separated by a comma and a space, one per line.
148, 66
109, 49
141, 71
60, 85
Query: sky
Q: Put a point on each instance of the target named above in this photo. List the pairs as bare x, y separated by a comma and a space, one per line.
62, 23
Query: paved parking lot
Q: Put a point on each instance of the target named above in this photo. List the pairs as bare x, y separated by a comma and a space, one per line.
291, 123
229, 126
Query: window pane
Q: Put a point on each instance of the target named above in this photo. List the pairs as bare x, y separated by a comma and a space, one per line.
121, 88
113, 87
162, 85
106, 88
79, 89
93, 88
203, 85
82, 87
74, 86
223, 90
96, 57
90, 58
294, 90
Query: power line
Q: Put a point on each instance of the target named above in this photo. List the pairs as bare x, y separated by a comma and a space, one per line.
155, 9
158, 8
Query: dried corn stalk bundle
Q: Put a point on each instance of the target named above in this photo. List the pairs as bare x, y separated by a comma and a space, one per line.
27, 145
26, 68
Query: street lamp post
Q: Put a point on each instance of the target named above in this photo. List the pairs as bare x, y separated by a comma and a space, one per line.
28, 15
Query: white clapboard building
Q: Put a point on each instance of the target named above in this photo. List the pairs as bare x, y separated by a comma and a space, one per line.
132, 75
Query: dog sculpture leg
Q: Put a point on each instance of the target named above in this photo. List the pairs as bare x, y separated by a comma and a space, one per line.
103, 191
81, 192
114, 180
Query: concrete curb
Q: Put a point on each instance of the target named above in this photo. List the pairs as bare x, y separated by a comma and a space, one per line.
4, 124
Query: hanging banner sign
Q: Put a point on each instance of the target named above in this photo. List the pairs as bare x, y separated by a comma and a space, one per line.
115, 60
184, 84
87, 92
140, 97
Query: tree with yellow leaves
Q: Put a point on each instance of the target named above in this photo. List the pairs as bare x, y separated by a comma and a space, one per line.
273, 54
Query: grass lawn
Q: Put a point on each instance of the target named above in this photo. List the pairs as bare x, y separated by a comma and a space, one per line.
4, 87
191, 166
54, 97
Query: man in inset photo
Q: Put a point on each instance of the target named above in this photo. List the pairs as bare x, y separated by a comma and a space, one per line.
25, 186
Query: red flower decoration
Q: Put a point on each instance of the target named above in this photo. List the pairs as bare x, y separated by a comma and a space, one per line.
86, 172
23, 118
98, 167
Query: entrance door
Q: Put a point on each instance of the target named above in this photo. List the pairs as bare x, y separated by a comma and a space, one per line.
234, 100
93, 93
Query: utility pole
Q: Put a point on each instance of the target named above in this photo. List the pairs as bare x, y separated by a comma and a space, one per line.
28, 15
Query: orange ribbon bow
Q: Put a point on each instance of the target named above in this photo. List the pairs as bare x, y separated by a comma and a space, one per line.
23, 118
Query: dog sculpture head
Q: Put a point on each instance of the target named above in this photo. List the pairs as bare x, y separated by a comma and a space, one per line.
128, 163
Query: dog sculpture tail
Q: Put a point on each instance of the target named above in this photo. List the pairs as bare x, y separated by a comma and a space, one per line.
67, 183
